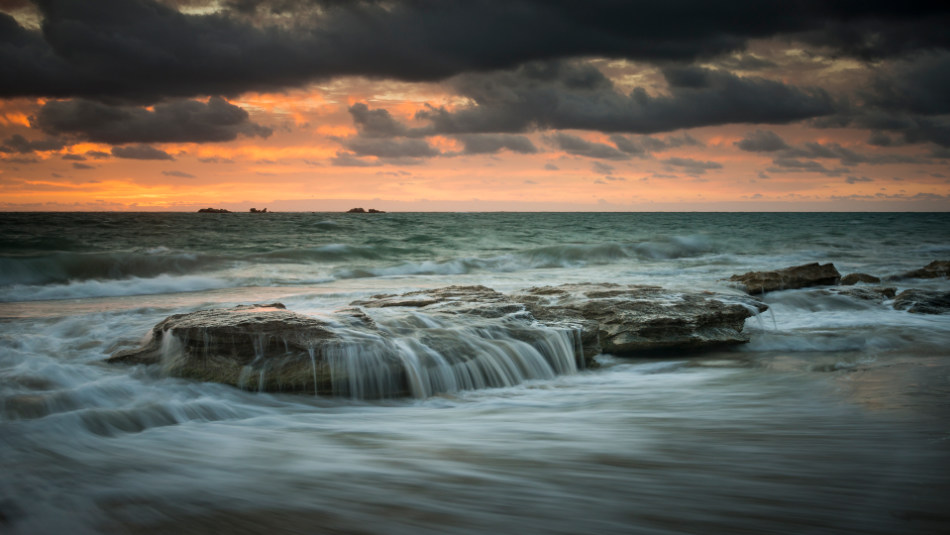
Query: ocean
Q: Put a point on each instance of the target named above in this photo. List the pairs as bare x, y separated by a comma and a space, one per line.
834, 418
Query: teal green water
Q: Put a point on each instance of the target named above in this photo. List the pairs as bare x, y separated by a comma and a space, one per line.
833, 419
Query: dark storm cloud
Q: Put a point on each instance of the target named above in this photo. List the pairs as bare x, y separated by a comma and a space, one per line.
19, 144
492, 143
144, 50
141, 152
581, 147
375, 123
769, 142
602, 168
762, 141
179, 174
391, 148
644, 146
691, 166
786, 165
908, 101
571, 95
170, 122
348, 159
920, 85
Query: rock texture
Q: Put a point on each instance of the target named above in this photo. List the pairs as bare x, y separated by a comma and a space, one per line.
445, 331
933, 270
644, 319
854, 278
923, 301
872, 293
223, 345
759, 282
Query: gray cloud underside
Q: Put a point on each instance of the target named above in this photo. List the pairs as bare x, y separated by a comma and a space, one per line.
147, 51
19, 144
571, 95
691, 166
171, 122
790, 157
908, 101
141, 152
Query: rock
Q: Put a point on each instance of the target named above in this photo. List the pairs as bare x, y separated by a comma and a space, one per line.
854, 278
923, 301
933, 270
632, 320
227, 345
442, 340
256, 211
214, 211
362, 211
611, 318
759, 282
875, 293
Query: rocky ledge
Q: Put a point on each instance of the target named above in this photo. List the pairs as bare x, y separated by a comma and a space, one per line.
914, 300
791, 278
446, 339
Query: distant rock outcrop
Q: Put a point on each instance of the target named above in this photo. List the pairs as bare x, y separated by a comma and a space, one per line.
443, 339
256, 211
759, 282
214, 211
363, 211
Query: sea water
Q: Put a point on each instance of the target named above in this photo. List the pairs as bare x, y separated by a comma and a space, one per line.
835, 418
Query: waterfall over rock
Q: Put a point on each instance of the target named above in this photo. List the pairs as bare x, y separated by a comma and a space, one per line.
428, 342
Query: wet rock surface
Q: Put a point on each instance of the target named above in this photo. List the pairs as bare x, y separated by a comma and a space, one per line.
934, 270
445, 339
806, 275
854, 278
643, 319
262, 347
923, 301
872, 293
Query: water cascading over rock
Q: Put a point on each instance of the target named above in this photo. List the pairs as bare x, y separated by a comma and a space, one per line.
434, 341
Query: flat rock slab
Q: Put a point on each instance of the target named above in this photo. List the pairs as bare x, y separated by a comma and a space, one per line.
634, 320
804, 276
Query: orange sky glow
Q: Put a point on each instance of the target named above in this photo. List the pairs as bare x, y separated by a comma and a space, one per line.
310, 152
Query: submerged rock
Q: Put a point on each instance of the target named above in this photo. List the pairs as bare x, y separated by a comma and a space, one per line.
854, 278
923, 301
447, 339
759, 282
872, 293
933, 270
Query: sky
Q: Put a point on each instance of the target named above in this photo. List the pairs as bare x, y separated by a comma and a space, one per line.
474, 105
